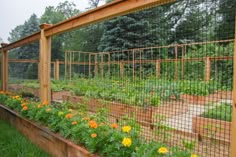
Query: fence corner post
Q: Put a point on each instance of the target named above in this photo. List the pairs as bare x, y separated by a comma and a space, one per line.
44, 65
233, 126
4, 68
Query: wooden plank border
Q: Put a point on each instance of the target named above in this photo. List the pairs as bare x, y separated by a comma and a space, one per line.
52, 143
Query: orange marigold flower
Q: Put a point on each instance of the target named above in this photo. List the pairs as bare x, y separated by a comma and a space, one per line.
15, 97
45, 103
74, 123
25, 108
68, 116
23, 104
86, 118
92, 124
93, 135
48, 109
114, 126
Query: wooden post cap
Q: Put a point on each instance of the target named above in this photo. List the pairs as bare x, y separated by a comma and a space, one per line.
44, 26
4, 44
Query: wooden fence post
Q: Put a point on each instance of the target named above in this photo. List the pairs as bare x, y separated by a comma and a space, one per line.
44, 66
158, 67
207, 70
176, 63
233, 126
96, 65
89, 66
182, 62
56, 69
4, 69
121, 69
101, 67
133, 64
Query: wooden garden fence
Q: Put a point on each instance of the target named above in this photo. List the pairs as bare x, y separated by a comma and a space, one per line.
104, 12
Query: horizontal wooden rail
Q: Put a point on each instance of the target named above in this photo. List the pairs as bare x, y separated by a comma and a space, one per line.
21, 42
128, 62
164, 46
23, 61
169, 60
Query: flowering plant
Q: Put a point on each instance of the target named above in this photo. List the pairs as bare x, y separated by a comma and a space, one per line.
95, 132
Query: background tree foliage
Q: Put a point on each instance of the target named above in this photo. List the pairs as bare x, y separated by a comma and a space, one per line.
181, 22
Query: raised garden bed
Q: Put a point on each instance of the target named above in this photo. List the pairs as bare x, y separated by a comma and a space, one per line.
55, 95
211, 128
143, 115
202, 100
15, 87
94, 131
50, 142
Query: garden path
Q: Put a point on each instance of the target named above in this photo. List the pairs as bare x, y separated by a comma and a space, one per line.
183, 122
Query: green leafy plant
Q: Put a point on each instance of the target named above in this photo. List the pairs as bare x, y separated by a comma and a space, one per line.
94, 131
222, 111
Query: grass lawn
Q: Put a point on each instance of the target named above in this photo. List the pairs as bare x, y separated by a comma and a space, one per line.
13, 144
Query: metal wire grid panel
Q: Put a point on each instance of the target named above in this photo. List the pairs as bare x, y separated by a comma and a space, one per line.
175, 80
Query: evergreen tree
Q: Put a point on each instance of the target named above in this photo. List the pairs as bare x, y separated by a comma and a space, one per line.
125, 32
227, 10
30, 51
53, 15
94, 3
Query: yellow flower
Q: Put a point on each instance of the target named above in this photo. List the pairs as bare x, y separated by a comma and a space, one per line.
162, 150
48, 109
126, 142
193, 155
70, 110
93, 135
60, 113
38, 106
126, 128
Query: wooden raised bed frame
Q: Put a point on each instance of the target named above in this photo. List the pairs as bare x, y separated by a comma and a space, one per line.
202, 100
52, 143
212, 129
143, 115
55, 95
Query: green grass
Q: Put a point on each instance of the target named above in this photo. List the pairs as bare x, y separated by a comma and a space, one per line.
221, 112
13, 144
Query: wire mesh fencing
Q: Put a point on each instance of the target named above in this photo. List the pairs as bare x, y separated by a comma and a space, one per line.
170, 69
167, 69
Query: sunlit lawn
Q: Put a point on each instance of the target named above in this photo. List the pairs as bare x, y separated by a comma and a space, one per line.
13, 144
